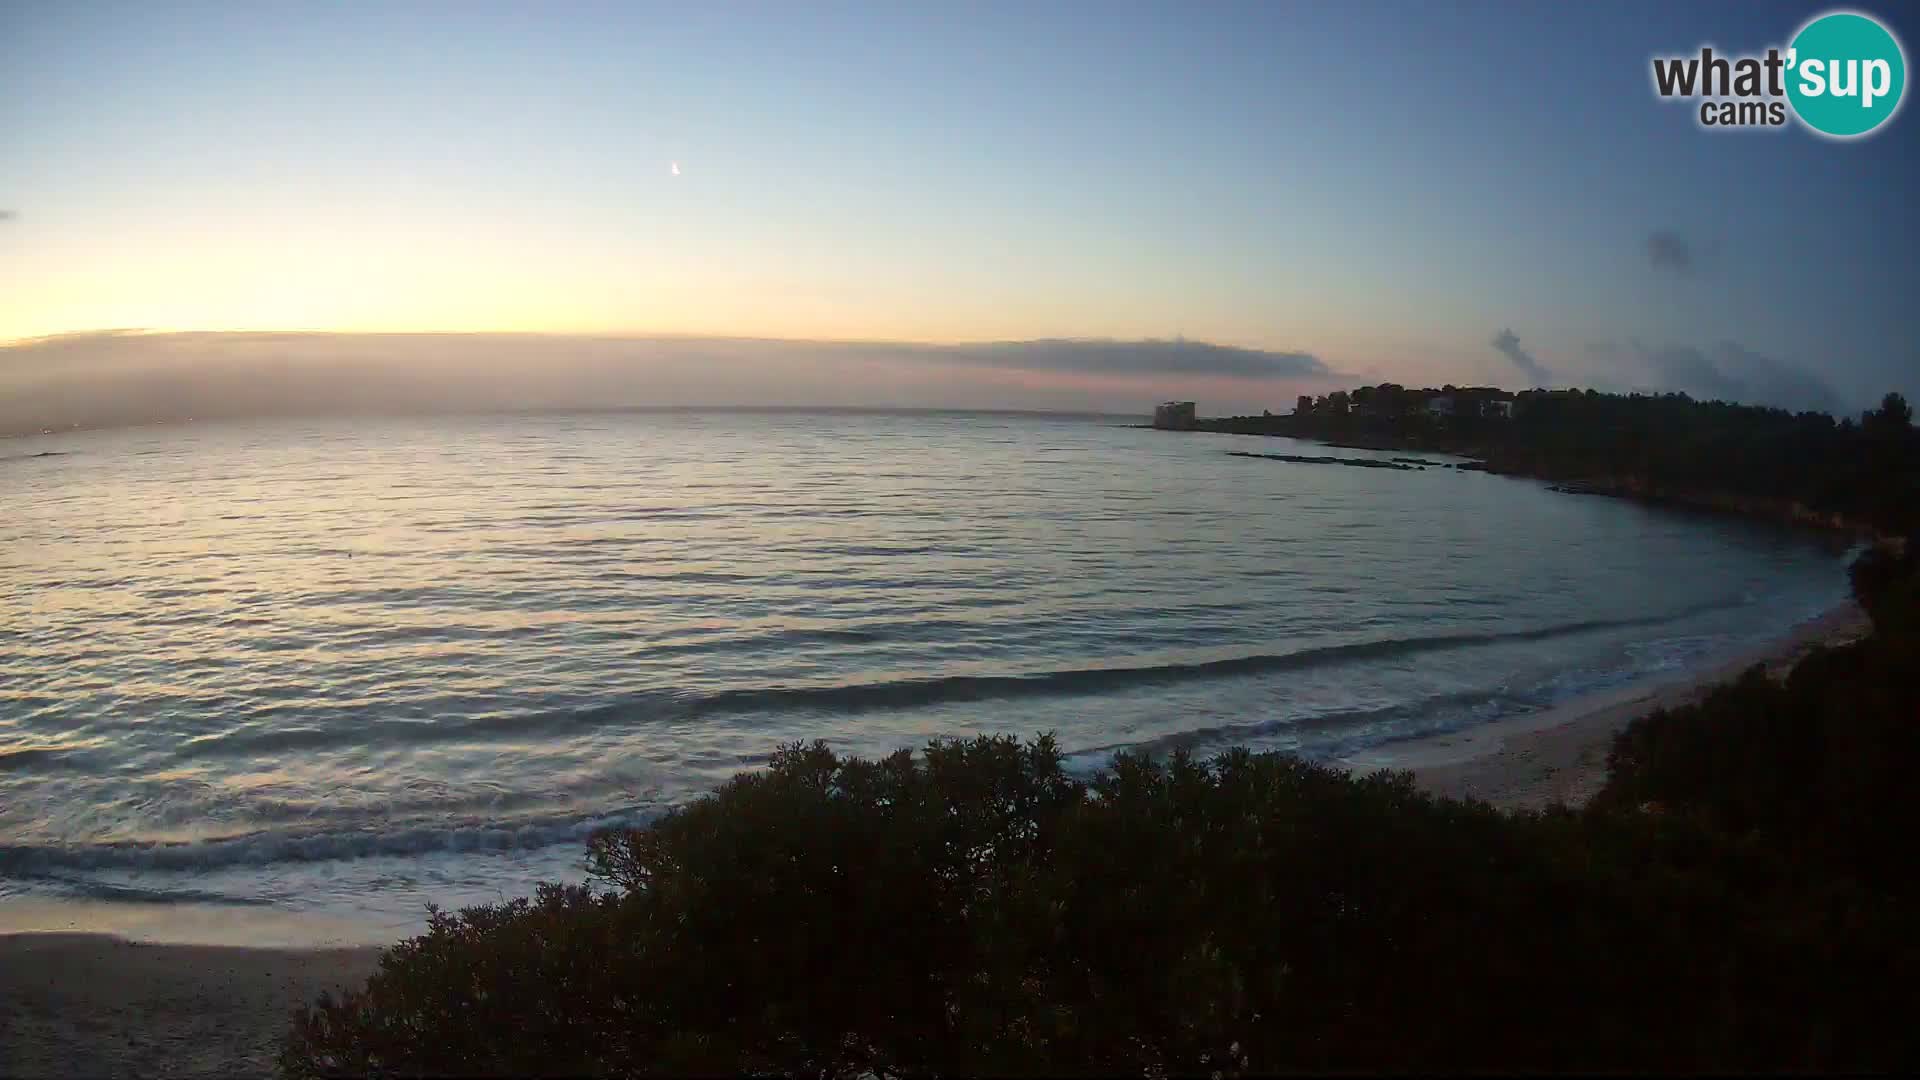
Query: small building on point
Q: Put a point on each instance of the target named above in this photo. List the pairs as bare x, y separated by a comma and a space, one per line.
1174, 416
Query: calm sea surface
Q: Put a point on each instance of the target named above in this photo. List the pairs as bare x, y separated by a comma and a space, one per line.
348, 666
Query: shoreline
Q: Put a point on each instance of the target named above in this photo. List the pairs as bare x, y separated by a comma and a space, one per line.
1500, 461
81, 995
1559, 754
190, 923
99, 1005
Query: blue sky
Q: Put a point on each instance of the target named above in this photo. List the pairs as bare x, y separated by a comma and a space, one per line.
1384, 187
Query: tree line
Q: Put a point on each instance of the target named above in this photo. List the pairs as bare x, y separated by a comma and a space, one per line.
1863, 473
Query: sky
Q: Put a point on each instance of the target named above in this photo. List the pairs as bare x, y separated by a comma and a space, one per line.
1330, 193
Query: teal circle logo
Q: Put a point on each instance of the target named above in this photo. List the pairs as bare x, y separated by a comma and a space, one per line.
1845, 74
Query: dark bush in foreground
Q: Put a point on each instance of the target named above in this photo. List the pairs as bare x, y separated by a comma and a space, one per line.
976, 910
1818, 766
1740, 897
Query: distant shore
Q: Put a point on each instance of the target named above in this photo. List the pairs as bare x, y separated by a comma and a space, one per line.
1488, 454
1559, 755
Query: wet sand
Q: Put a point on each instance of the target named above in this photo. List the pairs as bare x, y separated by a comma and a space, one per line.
1559, 755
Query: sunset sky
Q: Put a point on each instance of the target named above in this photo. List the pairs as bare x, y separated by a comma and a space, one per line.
1381, 189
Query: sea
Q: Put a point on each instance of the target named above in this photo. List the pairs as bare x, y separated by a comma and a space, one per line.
347, 667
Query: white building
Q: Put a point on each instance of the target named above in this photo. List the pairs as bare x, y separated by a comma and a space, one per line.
1440, 406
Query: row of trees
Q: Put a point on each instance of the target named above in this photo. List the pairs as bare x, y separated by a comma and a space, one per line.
1866, 472
1740, 897
1393, 402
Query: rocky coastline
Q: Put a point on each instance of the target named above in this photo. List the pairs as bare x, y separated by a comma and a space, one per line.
1509, 461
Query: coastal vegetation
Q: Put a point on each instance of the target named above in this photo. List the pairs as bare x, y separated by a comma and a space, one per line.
1739, 897
1807, 467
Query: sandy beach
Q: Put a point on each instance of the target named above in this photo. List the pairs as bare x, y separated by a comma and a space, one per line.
96, 1005
1559, 755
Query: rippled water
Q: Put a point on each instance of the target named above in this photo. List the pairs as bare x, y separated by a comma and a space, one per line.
351, 665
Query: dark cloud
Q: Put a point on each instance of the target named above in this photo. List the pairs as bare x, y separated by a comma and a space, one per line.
7, 215
1732, 372
1179, 357
1668, 250
1508, 344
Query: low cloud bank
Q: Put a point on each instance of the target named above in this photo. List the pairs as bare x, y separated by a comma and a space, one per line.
1178, 357
123, 377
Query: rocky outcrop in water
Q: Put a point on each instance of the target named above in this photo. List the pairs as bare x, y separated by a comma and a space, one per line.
1785, 511
1358, 463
